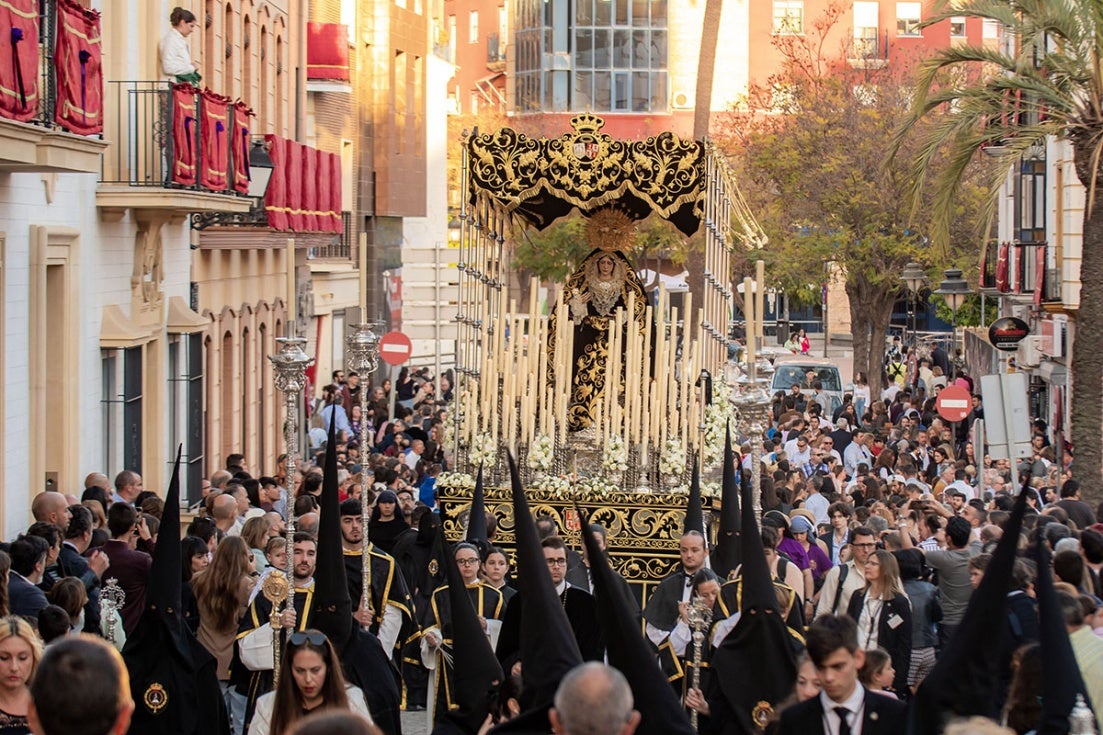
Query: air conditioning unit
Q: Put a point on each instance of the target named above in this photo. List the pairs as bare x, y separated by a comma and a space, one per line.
1030, 351
682, 97
1021, 311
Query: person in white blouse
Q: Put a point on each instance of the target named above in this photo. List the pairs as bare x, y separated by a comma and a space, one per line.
176, 61
310, 681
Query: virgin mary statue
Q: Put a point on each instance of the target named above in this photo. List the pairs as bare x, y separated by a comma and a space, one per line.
593, 293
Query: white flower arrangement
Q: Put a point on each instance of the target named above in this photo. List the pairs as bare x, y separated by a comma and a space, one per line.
718, 414
561, 486
596, 486
672, 461
614, 458
677, 489
448, 430
710, 490
541, 453
456, 479
484, 451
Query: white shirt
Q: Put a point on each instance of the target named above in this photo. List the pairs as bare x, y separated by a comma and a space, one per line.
262, 718
965, 488
818, 504
175, 54
856, 703
854, 455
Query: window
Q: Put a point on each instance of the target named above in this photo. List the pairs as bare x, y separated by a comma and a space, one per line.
473, 27
592, 55
788, 17
866, 27
908, 17
957, 27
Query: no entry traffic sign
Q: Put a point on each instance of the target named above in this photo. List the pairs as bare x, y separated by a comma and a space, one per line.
954, 403
395, 348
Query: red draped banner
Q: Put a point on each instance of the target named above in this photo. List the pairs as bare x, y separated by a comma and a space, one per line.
19, 59
304, 194
185, 134
336, 223
321, 175
77, 58
240, 143
214, 134
310, 189
275, 199
294, 174
1003, 284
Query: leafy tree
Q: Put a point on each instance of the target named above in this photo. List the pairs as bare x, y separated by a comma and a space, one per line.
1045, 83
814, 169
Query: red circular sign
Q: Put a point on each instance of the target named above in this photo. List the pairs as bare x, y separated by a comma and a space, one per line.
954, 403
395, 348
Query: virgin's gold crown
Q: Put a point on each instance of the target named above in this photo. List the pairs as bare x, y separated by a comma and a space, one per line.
587, 123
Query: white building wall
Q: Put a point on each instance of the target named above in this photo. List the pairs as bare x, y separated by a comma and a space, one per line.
428, 268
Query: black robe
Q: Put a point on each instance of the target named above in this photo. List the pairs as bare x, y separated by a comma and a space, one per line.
254, 684
662, 607
366, 665
582, 614
488, 604
388, 587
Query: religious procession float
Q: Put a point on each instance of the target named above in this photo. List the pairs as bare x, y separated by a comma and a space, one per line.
611, 394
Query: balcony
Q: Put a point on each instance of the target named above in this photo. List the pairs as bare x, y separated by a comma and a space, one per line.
868, 52
161, 165
495, 53
1019, 269
43, 125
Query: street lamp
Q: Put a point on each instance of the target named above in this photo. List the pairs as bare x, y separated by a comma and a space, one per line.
954, 289
260, 169
913, 277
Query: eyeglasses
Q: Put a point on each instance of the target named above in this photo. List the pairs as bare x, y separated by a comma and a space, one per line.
467, 562
314, 638
870, 545
557, 562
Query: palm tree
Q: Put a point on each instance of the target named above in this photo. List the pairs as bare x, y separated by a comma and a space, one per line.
1047, 80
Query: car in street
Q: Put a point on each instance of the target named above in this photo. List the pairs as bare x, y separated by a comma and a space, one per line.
802, 369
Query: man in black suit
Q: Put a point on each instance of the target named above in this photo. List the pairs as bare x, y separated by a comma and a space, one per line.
71, 563
28, 564
128, 566
843, 706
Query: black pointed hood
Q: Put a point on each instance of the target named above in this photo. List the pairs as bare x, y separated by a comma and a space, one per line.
332, 606
727, 555
163, 590
964, 680
756, 662
477, 672
1061, 679
173, 679
476, 519
695, 516
660, 711
548, 646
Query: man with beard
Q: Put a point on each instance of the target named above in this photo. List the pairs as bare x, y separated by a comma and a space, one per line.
391, 615
674, 592
251, 666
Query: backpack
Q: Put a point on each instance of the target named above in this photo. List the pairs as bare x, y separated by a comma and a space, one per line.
844, 570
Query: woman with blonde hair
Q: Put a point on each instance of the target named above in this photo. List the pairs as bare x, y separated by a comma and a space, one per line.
20, 652
222, 594
884, 615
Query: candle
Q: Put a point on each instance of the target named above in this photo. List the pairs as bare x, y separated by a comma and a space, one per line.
290, 306
749, 318
760, 283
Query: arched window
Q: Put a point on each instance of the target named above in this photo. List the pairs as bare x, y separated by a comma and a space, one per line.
229, 79
247, 52
226, 409
263, 92
280, 113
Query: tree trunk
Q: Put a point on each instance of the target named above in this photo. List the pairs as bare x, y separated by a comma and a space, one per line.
870, 315
702, 107
1087, 357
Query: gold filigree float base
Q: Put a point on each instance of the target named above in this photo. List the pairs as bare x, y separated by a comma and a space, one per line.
642, 528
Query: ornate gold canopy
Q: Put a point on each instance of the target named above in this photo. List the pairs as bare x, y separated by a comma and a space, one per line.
542, 179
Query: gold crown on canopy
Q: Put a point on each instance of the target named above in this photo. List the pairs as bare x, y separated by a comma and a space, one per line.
610, 228
587, 123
